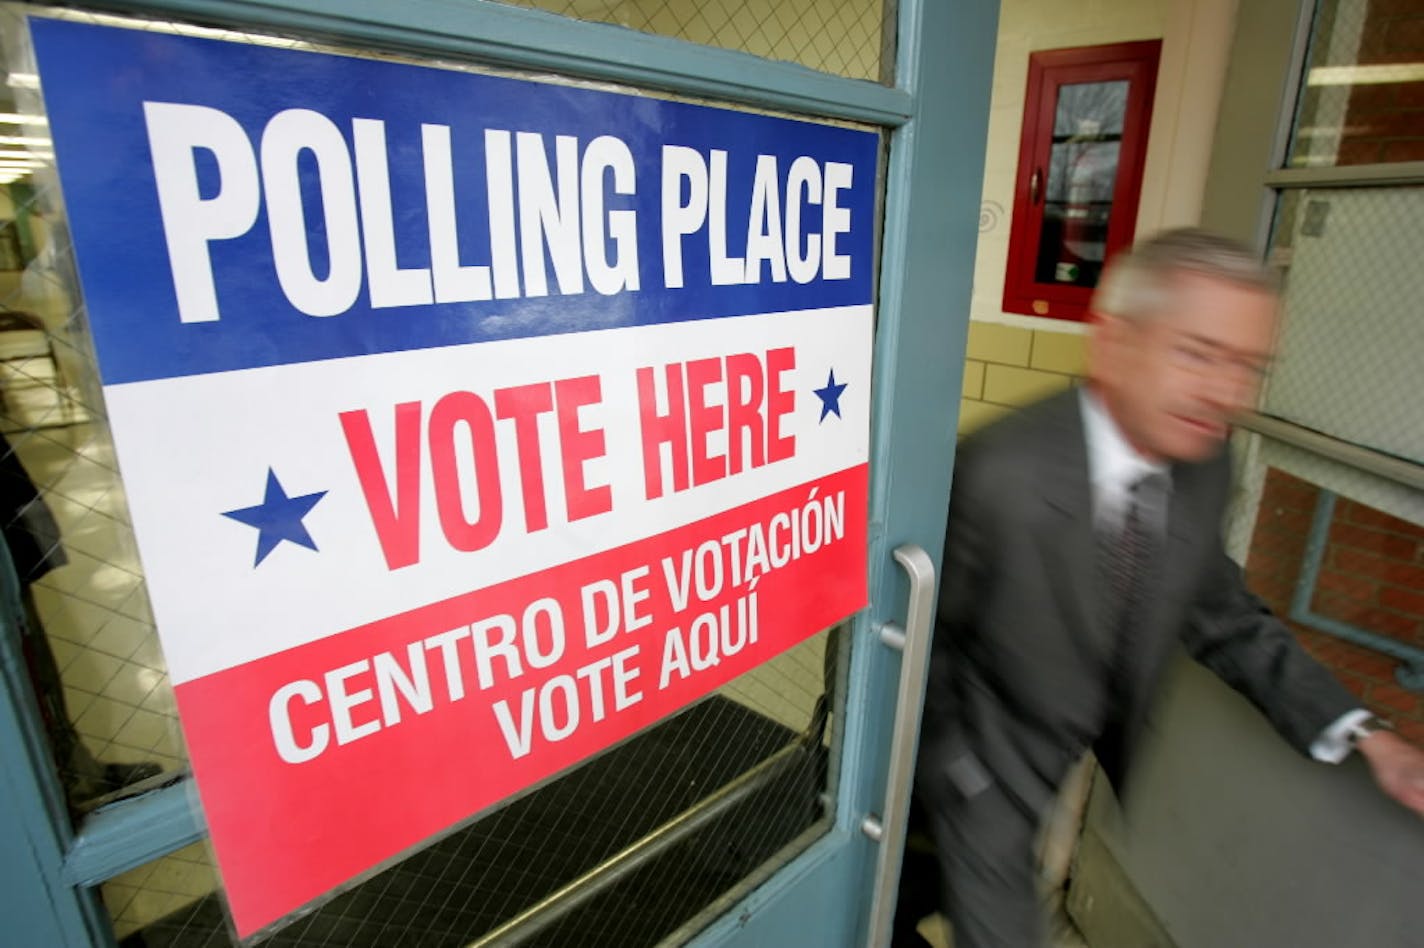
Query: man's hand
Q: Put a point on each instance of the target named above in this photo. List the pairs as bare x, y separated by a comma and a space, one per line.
1398, 767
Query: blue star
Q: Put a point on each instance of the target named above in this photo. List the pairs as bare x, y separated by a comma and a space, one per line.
278, 518
830, 396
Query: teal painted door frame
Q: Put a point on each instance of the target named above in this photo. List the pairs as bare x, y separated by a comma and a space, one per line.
934, 182
935, 118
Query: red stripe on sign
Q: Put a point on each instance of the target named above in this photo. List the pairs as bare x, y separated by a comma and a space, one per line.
320, 762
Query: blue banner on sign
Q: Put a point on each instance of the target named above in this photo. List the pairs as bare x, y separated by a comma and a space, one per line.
235, 206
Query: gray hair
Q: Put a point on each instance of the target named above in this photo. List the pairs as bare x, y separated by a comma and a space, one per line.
1138, 284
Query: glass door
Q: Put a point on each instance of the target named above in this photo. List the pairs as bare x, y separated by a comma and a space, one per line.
739, 816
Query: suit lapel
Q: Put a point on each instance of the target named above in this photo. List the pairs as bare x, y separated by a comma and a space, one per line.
1066, 537
1068, 542
1188, 527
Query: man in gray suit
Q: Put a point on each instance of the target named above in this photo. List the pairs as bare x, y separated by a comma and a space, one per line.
1083, 544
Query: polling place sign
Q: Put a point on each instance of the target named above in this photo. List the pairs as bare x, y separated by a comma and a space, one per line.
469, 424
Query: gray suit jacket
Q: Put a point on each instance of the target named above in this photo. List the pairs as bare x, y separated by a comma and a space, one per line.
1023, 649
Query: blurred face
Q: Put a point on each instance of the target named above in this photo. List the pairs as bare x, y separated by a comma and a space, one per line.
1174, 381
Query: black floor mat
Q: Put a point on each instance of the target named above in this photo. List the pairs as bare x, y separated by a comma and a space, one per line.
473, 880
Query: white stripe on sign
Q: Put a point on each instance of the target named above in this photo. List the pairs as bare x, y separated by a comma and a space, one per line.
504, 459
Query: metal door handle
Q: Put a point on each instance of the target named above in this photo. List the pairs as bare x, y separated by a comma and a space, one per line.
1033, 183
913, 642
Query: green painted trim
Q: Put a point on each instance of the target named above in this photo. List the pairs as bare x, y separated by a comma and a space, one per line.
1348, 176
933, 192
38, 905
827, 874
533, 40
129, 833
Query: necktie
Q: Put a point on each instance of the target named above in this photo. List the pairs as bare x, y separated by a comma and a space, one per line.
1134, 550
1130, 558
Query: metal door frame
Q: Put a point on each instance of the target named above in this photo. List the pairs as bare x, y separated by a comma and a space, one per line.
935, 116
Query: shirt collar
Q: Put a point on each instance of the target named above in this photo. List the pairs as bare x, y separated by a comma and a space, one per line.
1113, 463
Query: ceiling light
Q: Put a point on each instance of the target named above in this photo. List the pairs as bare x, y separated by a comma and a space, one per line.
19, 118
23, 80
1373, 74
26, 153
24, 140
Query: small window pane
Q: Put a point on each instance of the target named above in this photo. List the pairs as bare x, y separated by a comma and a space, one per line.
1350, 349
1082, 173
1362, 98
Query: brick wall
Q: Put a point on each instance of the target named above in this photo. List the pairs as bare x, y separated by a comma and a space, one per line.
1384, 122
1372, 577
1008, 367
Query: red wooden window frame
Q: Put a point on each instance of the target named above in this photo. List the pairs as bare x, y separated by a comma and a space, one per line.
1048, 71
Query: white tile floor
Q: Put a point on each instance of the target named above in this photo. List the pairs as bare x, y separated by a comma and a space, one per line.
94, 608
784, 689
159, 888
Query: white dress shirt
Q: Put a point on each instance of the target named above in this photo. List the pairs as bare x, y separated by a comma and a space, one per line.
1114, 465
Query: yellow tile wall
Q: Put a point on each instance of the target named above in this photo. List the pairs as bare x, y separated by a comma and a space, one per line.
975, 414
1059, 352
1008, 366
973, 379
1006, 345
1008, 385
